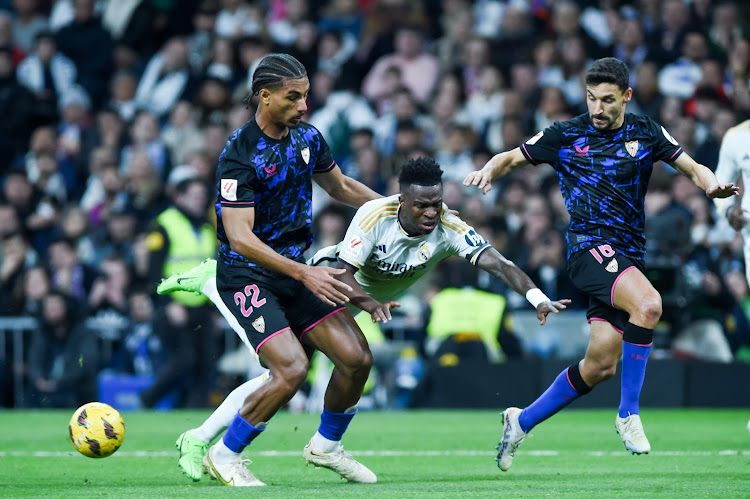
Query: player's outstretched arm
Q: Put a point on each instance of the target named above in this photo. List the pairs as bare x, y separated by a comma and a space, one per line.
704, 178
238, 225
380, 312
345, 189
505, 270
497, 167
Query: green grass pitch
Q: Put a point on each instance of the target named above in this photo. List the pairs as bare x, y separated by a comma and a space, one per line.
696, 453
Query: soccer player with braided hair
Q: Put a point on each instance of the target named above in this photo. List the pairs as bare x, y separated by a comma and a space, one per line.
264, 212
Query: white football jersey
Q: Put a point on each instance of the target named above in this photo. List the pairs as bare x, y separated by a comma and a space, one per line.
734, 159
387, 258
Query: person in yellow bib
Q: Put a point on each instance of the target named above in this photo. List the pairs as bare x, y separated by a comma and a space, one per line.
181, 238
390, 244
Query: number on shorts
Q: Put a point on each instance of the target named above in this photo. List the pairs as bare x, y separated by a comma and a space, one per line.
605, 251
252, 292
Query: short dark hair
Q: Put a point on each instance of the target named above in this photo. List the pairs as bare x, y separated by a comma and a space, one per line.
609, 70
420, 171
273, 70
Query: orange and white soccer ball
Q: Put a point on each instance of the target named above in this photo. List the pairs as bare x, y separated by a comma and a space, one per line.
96, 430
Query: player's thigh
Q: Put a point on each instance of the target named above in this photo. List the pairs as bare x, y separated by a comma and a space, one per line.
256, 304
598, 270
332, 330
633, 292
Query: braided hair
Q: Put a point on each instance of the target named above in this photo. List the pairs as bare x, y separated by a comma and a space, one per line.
272, 71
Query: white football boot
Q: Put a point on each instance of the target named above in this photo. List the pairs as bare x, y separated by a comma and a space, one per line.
513, 437
632, 434
341, 462
234, 474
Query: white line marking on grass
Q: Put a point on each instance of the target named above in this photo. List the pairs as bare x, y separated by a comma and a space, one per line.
394, 453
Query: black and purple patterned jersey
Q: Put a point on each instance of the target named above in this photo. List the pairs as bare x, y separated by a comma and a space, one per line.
603, 177
274, 177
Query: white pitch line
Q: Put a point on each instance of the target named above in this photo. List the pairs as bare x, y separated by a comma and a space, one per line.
391, 453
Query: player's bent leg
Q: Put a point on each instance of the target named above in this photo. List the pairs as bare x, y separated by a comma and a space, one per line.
190, 280
341, 340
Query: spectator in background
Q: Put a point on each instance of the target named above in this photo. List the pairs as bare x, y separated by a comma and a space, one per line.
122, 95
6, 38
646, 96
237, 18
39, 214
419, 70
47, 73
63, 358
180, 239
68, 274
129, 24
181, 134
680, 78
34, 286
666, 39
145, 139
166, 78
75, 121
27, 24
90, 48
16, 108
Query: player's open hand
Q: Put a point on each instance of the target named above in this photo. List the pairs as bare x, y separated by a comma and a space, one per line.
546, 307
381, 312
722, 191
480, 178
320, 281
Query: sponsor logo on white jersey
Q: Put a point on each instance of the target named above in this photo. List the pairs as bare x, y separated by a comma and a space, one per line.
229, 189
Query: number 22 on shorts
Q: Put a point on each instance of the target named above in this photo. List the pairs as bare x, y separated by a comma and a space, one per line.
252, 292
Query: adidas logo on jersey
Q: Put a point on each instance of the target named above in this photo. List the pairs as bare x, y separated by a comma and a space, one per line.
381, 248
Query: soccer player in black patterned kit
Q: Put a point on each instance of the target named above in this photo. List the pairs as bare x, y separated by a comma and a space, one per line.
264, 211
603, 161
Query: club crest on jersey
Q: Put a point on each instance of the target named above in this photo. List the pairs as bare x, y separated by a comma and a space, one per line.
306, 155
612, 266
259, 324
423, 253
632, 147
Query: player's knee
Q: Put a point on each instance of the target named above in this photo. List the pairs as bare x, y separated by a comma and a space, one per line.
650, 309
290, 377
357, 359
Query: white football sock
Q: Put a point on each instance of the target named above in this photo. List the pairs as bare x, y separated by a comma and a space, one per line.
322, 444
223, 415
223, 454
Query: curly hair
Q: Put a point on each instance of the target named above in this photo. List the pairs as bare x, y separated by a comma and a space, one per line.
420, 171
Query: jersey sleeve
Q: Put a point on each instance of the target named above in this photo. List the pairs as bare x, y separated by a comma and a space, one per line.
544, 147
464, 240
358, 242
666, 147
324, 159
236, 183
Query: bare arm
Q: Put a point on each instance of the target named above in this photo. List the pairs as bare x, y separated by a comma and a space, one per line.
704, 178
238, 225
345, 189
380, 312
497, 167
505, 270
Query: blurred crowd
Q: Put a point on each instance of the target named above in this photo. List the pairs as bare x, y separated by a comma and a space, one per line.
115, 112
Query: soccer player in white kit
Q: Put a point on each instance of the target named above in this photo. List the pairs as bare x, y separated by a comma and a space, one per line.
734, 161
389, 245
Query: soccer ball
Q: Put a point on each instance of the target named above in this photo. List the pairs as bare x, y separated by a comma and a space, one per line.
96, 430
